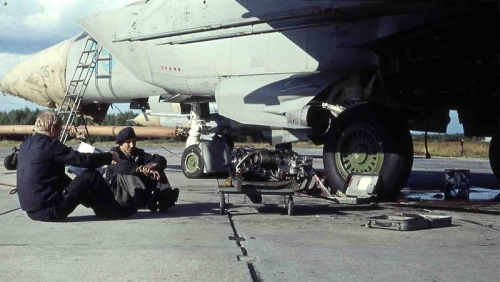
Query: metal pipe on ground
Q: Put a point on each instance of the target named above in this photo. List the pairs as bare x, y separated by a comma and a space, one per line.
140, 132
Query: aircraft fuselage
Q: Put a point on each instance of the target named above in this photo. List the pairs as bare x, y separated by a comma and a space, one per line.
187, 47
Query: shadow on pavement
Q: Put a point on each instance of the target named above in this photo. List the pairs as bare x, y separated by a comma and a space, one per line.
174, 168
180, 210
434, 180
178, 168
307, 210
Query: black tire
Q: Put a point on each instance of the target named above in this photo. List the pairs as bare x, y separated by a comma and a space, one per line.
10, 162
192, 162
369, 138
494, 158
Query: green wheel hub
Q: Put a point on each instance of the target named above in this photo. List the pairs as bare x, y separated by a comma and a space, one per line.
359, 149
192, 162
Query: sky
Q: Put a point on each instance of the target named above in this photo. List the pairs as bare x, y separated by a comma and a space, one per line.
29, 26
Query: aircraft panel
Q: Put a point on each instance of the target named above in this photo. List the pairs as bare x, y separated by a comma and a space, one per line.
104, 30
286, 55
249, 55
264, 100
192, 16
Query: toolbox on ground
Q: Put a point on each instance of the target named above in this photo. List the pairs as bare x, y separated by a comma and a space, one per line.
406, 222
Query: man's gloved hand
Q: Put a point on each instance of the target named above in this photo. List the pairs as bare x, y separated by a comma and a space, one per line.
148, 170
139, 169
153, 174
150, 166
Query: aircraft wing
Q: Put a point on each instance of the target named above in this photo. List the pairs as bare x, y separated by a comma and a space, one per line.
258, 17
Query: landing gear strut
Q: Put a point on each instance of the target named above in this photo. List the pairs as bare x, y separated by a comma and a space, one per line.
494, 157
202, 157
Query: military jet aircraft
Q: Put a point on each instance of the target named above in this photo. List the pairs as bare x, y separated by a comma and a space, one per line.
355, 76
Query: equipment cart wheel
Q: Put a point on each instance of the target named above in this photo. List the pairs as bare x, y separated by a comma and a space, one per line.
222, 204
289, 205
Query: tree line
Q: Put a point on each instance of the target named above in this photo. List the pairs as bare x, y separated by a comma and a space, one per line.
27, 116
420, 137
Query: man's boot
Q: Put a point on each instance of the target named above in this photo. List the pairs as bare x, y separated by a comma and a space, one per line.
154, 200
168, 198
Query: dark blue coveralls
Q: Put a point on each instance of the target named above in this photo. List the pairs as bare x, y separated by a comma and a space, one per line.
46, 193
134, 190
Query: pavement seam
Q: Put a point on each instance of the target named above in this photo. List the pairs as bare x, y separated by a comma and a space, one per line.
246, 258
480, 224
9, 211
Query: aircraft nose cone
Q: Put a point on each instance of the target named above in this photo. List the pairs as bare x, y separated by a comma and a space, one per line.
40, 78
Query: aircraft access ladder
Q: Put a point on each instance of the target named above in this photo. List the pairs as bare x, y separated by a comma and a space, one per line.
68, 109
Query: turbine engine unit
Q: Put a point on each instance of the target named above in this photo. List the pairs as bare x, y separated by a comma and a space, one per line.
269, 165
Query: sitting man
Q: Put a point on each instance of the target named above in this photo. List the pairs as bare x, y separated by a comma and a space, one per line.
138, 180
45, 191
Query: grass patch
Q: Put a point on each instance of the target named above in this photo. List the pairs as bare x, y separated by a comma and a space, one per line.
472, 149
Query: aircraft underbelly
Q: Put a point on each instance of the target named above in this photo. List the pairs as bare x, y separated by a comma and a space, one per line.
266, 100
195, 54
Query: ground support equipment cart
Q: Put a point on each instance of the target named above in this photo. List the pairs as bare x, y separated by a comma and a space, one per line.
359, 188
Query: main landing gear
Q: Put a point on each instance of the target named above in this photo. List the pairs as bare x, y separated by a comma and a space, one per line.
369, 138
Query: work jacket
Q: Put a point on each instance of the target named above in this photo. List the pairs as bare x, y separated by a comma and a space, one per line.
41, 176
129, 162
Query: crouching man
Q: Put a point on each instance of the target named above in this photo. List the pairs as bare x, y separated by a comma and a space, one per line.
138, 180
44, 189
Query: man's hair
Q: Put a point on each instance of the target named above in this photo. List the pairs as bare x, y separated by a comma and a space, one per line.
46, 120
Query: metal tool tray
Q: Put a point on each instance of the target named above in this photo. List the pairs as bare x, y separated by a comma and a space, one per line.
406, 222
259, 188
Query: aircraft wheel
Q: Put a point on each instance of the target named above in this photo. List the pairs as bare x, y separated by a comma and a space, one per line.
494, 157
369, 138
192, 162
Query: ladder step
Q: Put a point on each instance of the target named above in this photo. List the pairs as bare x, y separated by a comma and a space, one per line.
103, 76
67, 99
69, 111
64, 112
